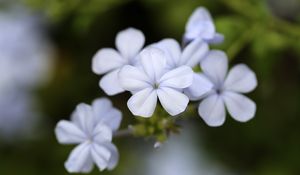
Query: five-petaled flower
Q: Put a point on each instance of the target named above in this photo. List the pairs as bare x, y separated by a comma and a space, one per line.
92, 128
129, 43
152, 80
190, 56
227, 90
201, 25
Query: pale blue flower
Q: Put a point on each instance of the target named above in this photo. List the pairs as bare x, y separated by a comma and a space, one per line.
201, 25
152, 80
190, 56
227, 91
109, 61
91, 127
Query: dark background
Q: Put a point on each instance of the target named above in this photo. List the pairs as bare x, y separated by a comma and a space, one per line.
264, 34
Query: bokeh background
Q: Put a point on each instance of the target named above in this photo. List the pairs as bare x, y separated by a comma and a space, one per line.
50, 43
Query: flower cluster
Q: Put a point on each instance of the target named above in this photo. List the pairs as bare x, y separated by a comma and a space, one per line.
164, 72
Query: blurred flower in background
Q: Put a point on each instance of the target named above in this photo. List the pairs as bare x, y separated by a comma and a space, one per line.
17, 115
25, 64
25, 55
182, 155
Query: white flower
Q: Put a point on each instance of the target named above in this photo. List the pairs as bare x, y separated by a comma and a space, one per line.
227, 90
190, 56
108, 61
152, 80
201, 25
92, 128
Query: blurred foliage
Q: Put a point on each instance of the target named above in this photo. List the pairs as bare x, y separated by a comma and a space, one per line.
254, 32
84, 12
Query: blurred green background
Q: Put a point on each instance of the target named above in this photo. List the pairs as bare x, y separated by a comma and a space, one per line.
265, 34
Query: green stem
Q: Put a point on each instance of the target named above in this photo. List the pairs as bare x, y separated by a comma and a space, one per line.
286, 26
241, 42
123, 133
247, 9
242, 7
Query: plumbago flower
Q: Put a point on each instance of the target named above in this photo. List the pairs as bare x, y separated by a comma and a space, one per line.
152, 80
92, 128
190, 56
227, 90
201, 25
109, 61
162, 71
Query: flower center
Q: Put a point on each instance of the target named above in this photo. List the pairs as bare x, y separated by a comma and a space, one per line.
218, 91
155, 85
91, 139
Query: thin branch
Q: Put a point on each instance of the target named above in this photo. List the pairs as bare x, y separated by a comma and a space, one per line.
123, 133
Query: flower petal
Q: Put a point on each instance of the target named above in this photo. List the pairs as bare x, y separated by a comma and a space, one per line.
194, 53
101, 106
88, 165
153, 61
173, 101
133, 79
114, 158
68, 133
106, 113
110, 83
78, 160
200, 86
143, 103
113, 119
212, 110
200, 24
215, 66
180, 77
239, 106
217, 39
240, 79
171, 49
129, 42
83, 117
102, 133
101, 155
105, 60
